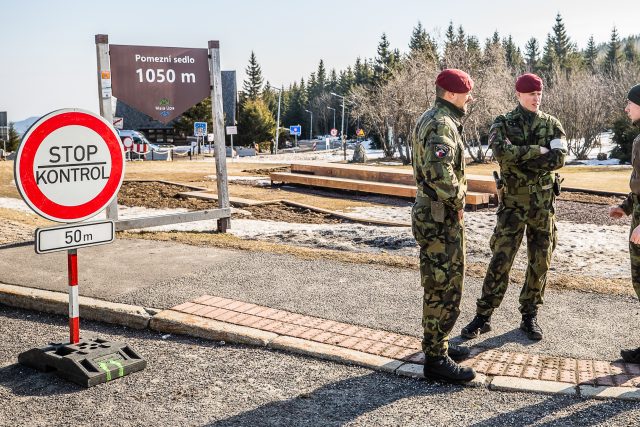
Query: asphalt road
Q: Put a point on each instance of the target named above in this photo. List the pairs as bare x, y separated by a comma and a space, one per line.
161, 275
192, 382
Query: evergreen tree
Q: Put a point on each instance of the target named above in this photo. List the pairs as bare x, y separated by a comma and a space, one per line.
385, 62
549, 57
253, 85
14, 138
332, 84
630, 52
532, 54
562, 44
450, 36
201, 112
363, 73
591, 54
418, 41
495, 39
256, 123
270, 98
512, 54
613, 52
346, 81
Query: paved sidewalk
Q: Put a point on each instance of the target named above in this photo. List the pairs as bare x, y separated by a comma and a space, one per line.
511, 370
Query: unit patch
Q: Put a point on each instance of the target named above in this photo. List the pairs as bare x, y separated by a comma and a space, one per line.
441, 151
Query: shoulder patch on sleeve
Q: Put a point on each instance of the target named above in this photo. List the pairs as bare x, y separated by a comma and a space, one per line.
441, 150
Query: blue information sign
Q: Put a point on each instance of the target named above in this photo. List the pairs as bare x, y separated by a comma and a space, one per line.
295, 130
199, 128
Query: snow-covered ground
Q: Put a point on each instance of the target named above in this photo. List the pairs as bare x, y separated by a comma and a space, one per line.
585, 249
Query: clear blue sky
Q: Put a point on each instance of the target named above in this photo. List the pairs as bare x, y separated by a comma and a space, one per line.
47, 50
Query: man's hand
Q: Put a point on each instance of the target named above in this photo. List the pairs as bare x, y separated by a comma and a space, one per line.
544, 150
635, 236
460, 215
616, 212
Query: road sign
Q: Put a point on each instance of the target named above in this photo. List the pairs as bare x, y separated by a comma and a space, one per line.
360, 132
232, 130
127, 142
199, 128
210, 137
74, 236
162, 82
295, 130
118, 122
334, 132
69, 165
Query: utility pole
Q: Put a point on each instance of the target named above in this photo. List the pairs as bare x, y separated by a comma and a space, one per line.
334, 116
275, 146
344, 144
310, 126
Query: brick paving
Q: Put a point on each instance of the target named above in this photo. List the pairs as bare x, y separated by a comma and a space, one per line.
407, 348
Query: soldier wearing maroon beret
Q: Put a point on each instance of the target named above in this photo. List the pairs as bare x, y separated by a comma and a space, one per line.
529, 145
437, 222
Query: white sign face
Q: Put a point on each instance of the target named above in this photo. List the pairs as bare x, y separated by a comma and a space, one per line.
232, 130
210, 137
69, 165
118, 122
334, 132
70, 173
74, 236
127, 142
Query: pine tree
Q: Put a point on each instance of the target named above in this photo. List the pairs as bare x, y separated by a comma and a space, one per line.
255, 123
512, 54
562, 44
332, 84
549, 57
591, 54
613, 52
450, 36
362, 72
630, 51
385, 62
253, 85
532, 54
14, 138
418, 41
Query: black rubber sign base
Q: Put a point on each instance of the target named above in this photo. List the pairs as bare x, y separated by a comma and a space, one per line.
87, 363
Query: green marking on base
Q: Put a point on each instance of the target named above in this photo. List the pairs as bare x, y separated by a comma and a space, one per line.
120, 367
105, 367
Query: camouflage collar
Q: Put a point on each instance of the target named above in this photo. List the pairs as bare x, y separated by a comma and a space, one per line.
453, 111
526, 114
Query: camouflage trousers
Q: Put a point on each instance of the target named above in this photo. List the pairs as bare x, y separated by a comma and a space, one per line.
634, 250
442, 258
533, 215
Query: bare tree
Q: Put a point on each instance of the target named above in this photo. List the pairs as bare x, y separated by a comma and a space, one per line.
581, 101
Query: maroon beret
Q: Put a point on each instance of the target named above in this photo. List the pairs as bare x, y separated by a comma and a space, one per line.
528, 83
454, 80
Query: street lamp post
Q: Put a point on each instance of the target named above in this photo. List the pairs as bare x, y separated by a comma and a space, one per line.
344, 145
334, 116
275, 146
310, 126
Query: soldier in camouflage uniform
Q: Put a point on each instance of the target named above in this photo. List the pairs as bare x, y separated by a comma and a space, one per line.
529, 145
631, 206
437, 222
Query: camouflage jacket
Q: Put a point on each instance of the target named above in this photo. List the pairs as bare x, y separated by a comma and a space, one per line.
438, 155
634, 181
516, 138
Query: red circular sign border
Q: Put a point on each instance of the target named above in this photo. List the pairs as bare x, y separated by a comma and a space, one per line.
25, 179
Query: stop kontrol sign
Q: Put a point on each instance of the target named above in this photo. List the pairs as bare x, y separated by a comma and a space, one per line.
69, 165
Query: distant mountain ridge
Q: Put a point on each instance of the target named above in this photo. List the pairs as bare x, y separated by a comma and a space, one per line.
22, 126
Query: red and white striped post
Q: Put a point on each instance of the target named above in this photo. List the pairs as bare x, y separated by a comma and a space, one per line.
74, 309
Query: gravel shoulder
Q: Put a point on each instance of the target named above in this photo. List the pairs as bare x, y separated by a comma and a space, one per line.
192, 382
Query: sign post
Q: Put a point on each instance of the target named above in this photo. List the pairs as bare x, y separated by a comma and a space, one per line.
218, 130
69, 167
232, 130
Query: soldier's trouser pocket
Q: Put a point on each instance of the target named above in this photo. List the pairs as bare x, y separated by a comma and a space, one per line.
634, 251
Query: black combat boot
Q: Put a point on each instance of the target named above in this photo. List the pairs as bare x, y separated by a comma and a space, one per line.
479, 325
530, 326
631, 356
458, 352
442, 368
